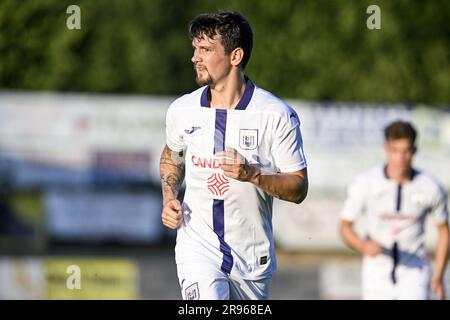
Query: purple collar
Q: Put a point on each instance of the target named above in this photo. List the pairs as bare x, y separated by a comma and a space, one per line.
413, 173
242, 104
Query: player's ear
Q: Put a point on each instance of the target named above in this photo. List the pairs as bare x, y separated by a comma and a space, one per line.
236, 56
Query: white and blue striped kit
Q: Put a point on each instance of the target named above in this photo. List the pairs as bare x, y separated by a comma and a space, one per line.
227, 224
396, 216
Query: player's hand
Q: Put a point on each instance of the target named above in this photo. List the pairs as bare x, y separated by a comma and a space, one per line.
370, 248
234, 165
437, 288
171, 214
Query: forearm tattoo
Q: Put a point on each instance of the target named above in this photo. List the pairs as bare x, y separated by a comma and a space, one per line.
171, 171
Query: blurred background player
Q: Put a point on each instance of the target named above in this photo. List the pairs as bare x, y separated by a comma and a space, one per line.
397, 199
242, 146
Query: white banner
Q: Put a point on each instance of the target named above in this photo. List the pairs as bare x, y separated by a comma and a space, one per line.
73, 138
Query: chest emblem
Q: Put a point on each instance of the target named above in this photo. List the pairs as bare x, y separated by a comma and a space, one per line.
192, 130
248, 139
218, 184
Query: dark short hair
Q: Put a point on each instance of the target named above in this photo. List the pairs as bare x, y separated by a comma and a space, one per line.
231, 26
401, 130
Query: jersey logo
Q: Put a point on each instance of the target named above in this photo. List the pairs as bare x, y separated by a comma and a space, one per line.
218, 184
263, 260
248, 139
294, 118
419, 199
192, 292
192, 130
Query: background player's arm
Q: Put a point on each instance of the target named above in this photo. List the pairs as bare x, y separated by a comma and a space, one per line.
351, 239
441, 260
172, 170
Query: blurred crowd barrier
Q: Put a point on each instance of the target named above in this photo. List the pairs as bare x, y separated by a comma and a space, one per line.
85, 168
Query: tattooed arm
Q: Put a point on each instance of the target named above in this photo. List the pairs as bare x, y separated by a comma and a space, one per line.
292, 186
171, 168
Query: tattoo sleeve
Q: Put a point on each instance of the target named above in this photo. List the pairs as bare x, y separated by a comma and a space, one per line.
171, 167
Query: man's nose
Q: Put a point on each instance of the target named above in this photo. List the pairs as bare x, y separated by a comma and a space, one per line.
195, 58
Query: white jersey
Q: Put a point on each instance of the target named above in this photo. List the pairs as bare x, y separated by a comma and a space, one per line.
228, 222
396, 216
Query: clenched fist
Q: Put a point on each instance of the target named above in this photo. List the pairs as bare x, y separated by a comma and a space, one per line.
172, 216
234, 165
371, 248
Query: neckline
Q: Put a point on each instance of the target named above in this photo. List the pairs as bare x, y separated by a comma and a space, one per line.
243, 102
411, 177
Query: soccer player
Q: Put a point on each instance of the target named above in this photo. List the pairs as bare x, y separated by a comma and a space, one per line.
238, 146
397, 200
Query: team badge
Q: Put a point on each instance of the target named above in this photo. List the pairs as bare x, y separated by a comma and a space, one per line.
248, 139
192, 293
419, 199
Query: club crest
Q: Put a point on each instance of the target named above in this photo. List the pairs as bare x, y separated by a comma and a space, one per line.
192, 292
248, 139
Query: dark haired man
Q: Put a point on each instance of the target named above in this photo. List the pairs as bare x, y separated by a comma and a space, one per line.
238, 146
397, 200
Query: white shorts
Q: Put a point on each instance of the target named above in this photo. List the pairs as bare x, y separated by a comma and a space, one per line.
410, 283
207, 283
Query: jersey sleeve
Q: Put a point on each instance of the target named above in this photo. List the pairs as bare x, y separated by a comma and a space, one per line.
439, 207
355, 203
287, 147
174, 137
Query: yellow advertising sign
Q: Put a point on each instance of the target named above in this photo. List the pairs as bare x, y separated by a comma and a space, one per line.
91, 278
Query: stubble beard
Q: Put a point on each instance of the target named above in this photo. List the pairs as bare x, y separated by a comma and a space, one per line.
203, 81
